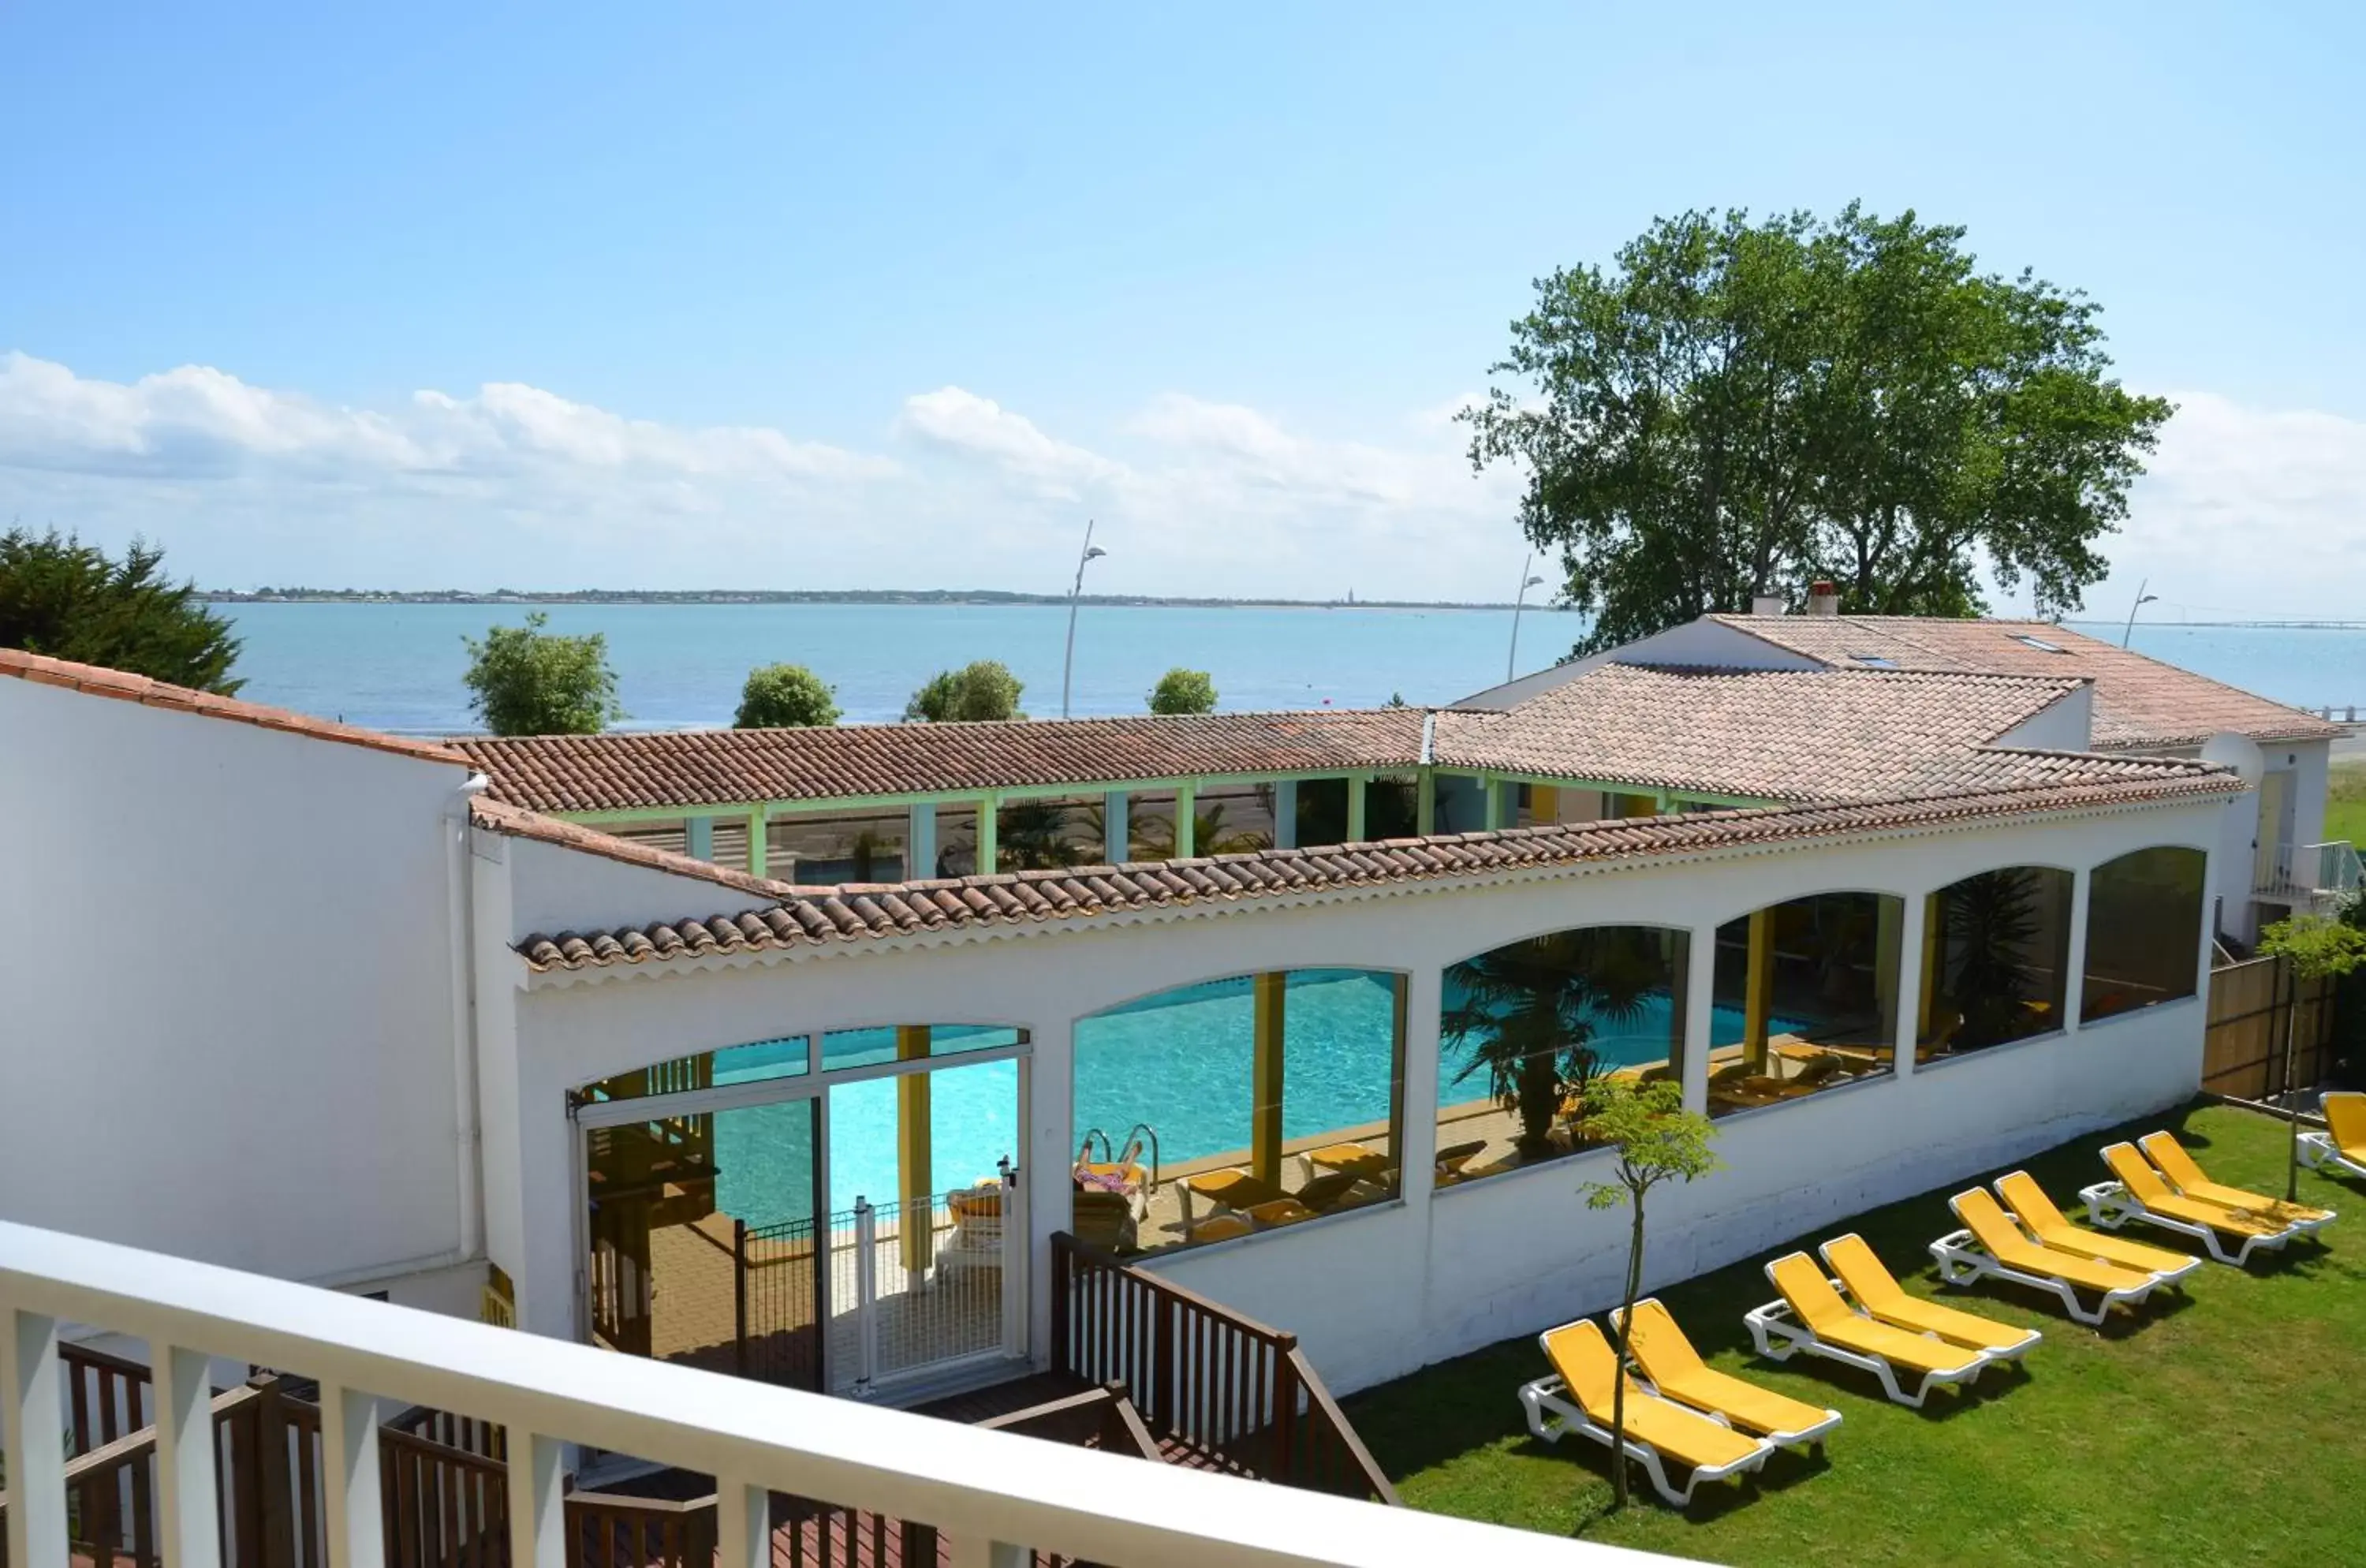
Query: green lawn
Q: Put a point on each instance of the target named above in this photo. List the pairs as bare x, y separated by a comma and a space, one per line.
2345, 801
2222, 1430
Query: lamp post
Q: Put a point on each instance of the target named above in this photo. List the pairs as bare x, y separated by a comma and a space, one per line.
1068, 664
1511, 658
2143, 599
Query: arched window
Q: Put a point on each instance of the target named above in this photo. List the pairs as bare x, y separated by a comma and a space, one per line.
1996, 948
2144, 930
1807, 998
1524, 1027
1248, 1103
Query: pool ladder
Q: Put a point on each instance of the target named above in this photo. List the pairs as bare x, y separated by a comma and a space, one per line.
1110, 1151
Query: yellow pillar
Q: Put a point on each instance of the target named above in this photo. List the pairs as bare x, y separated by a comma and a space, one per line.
1265, 1109
1758, 999
1934, 937
913, 1155
1544, 802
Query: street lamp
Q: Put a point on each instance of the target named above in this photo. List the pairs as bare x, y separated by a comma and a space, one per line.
1068, 665
2143, 599
1511, 660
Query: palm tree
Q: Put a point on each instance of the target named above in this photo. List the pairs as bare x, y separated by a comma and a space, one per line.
1153, 837
1032, 835
1991, 918
1527, 1013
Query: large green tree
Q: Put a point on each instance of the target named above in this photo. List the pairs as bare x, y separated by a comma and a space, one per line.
66, 599
527, 680
984, 689
780, 696
1740, 406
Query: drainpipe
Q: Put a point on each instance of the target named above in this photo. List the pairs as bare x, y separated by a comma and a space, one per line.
460, 921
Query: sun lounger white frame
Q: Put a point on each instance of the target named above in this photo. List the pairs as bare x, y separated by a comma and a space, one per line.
1551, 1415
1806, 1437
2030, 1340
1961, 1260
2110, 1206
1779, 1334
2173, 1277
2318, 1150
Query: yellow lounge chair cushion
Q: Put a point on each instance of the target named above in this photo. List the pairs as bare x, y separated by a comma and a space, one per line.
1991, 1227
1878, 1291
2029, 1204
1586, 1362
1822, 1310
1354, 1159
2145, 1185
1235, 1188
2344, 1118
2170, 1155
1669, 1360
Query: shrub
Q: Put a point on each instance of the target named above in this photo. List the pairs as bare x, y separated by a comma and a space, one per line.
778, 697
1183, 690
985, 690
525, 681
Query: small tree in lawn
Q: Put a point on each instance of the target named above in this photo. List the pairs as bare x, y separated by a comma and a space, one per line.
2318, 947
1656, 1138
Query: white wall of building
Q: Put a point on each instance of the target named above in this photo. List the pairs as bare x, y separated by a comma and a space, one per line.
227, 992
1380, 1291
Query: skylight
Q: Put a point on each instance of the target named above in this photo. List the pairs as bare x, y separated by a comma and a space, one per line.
2038, 643
1875, 660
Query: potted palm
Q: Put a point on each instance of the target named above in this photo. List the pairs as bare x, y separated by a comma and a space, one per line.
1524, 1015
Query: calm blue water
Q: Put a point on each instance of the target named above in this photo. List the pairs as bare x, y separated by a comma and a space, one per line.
1181, 1061
399, 666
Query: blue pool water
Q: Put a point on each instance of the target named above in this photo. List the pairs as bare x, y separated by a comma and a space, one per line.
1181, 1061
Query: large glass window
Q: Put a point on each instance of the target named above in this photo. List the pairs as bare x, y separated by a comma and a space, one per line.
2144, 930
1996, 947
1237, 1105
1526, 1027
830, 851
1807, 998
1038, 833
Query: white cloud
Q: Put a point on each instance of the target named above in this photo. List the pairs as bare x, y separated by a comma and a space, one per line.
959, 422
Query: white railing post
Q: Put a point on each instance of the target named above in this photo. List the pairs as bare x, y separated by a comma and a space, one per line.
349, 1479
538, 1502
743, 1525
32, 1429
191, 1536
866, 1294
1015, 1255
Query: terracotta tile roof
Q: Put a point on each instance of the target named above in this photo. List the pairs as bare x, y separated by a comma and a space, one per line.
99, 681
721, 767
516, 823
2139, 701
852, 915
1795, 735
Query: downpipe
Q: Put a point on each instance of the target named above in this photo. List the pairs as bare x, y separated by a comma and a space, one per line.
460, 922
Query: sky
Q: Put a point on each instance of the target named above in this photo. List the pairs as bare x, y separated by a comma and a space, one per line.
804, 297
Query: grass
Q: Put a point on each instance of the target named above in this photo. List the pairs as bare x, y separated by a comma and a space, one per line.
2213, 1431
2345, 801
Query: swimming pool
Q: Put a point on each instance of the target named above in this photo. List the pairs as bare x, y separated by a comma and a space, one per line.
1181, 1061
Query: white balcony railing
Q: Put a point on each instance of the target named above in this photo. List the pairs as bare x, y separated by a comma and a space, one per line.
994, 1495
2327, 872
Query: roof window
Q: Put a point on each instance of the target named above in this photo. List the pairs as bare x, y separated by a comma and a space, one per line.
2038, 643
1875, 660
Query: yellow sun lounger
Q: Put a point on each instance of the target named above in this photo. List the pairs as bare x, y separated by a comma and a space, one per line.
2141, 1194
1673, 1370
2185, 1174
2342, 1145
1877, 1290
1991, 1247
1811, 1316
1578, 1398
2037, 1214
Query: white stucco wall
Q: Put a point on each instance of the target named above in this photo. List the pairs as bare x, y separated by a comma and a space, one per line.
1378, 1292
229, 1020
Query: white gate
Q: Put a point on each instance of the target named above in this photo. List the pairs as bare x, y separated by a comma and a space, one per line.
920, 1289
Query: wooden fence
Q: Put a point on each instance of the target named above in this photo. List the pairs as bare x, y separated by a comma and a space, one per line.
2250, 1003
1204, 1375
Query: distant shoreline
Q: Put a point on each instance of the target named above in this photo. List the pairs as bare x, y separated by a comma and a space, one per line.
844, 596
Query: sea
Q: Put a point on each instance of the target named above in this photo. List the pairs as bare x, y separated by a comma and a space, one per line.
397, 667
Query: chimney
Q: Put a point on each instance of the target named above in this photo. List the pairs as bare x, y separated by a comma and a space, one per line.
1823, 599
1770, 605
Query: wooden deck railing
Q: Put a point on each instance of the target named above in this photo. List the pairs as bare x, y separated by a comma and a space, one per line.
1204, 1374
